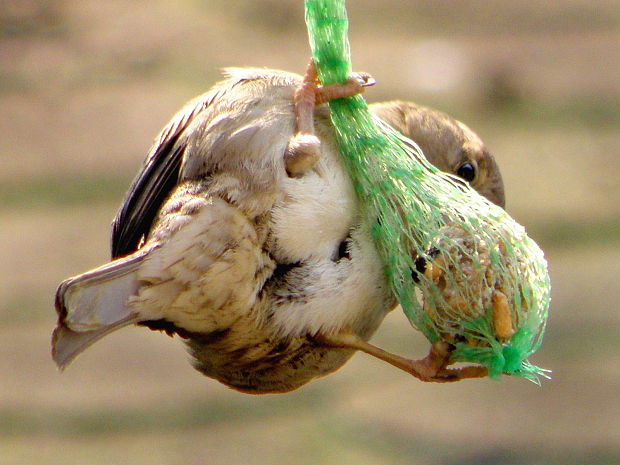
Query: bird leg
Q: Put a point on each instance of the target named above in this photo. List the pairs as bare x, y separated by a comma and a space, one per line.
432, 368
303, 151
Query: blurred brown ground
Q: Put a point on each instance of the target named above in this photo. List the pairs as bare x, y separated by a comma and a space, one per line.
85, 86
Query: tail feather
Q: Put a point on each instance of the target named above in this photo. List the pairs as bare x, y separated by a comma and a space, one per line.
67, 344
94, 304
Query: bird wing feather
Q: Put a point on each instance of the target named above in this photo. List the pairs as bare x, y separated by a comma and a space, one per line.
155, 180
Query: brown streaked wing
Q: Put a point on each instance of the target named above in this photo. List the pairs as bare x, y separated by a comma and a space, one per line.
155, 180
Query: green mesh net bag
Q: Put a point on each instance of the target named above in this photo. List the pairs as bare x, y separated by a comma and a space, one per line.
461, 268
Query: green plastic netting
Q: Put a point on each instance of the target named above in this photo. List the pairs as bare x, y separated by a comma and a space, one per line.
461, 268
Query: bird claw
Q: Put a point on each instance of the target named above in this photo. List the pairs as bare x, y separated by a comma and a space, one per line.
356, 84
363, 79
449, 375
434, 367
303, 151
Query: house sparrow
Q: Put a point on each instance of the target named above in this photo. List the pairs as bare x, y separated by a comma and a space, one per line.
241, 234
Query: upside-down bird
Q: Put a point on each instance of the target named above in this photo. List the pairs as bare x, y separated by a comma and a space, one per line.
241, 234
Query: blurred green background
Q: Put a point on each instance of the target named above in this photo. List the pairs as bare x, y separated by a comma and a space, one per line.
84, 87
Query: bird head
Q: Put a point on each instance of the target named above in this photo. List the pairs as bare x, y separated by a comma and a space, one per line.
448, 144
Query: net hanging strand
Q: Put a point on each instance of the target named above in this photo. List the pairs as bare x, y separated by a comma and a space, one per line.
412, 208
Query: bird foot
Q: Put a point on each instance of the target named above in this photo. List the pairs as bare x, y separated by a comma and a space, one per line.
432, 368
356, 84
304, 148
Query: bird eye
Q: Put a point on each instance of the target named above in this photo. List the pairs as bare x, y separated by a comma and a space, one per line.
467, 171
